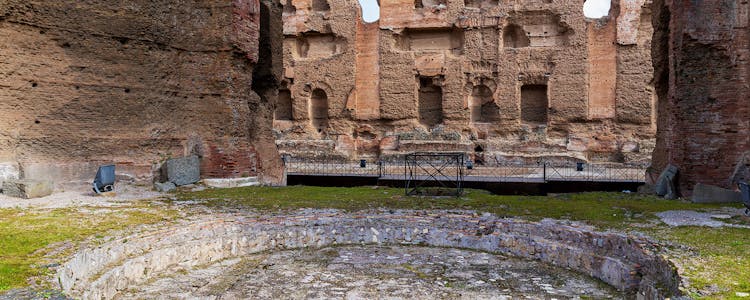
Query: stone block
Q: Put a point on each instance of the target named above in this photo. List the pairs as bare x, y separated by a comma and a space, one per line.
8, 171
184, 170
27, 189
705, 193
665, 185
164, 187
231, 182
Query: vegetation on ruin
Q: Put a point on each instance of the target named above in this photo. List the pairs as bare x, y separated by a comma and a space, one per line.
32, 238
604, 210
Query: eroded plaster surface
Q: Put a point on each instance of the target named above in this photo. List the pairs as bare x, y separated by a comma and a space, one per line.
503, 80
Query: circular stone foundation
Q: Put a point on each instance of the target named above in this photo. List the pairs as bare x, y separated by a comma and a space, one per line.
332, 254
372, 272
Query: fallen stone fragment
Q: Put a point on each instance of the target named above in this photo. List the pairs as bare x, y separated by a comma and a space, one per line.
164, 187
184, 170
704, 193
27, 189
665, 185
8, 171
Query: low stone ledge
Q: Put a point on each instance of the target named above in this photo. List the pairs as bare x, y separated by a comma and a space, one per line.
27, 189
624, 262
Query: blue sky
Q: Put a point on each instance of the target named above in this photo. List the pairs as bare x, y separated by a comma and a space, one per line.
596, 8
370, 10
592, 9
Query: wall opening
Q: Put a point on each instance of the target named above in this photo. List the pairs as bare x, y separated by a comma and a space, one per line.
289, 8
429, 3
596, 9
534, 103
515, 37
370, 10
483, 107
318, 45
320, 5
284, 105
480, 3
319, 109
430, 102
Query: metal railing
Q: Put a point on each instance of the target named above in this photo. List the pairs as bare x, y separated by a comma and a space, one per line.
512, 172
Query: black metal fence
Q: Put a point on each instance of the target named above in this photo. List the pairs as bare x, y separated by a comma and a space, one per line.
511, 172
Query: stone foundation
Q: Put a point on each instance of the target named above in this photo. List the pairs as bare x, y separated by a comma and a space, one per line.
629, 264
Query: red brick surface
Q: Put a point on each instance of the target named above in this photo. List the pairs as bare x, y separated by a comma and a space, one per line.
703, 77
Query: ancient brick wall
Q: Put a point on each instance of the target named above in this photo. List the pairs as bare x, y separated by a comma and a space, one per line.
521, 80
703, 78
134, 82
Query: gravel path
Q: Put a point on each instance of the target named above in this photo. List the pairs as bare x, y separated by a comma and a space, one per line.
82, 196
695, 218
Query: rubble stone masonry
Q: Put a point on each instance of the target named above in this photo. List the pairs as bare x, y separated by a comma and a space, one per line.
503, 80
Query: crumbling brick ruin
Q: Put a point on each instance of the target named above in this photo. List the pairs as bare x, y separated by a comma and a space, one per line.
86, 83
702, 59
505, 80
134, 82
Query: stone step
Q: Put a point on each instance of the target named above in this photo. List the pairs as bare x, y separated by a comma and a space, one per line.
223, 183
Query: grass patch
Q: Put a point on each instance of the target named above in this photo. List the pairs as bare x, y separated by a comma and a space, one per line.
722, 262
24, 234
610, 210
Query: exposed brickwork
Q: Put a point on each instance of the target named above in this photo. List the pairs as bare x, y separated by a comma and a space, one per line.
83, 83
703, 71
236, 161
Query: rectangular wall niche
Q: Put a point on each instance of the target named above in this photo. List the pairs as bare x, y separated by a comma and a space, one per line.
534, 104
430, 102
542, 29
317, 45
439, 39
480, 3
284, 105
429, 3
319, 109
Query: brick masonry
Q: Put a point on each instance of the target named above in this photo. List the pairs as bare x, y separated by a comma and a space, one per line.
133, 82
702, 60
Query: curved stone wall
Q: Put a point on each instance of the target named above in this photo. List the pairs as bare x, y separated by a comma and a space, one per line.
624, 262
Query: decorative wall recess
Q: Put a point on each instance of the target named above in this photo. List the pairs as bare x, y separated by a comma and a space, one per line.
430, 102
515, 37
284, 106
319, 109
480, 3
483, 108
315, 45
444, 39
534, 104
